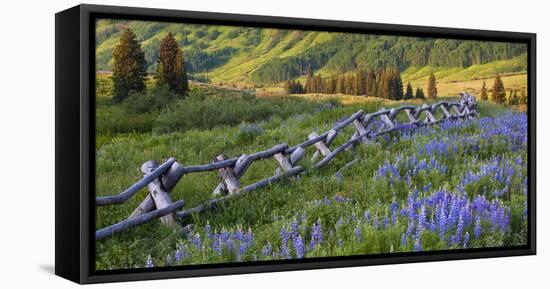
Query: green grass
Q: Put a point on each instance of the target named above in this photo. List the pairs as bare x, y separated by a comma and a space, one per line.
267, 210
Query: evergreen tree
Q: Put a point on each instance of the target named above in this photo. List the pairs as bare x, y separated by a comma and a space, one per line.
484, 95
288, 87
128, 67
382, 89
499, 93
398, 84
340, 85
349, 85
171, 66
514, 98
409, 92
419, 93
432, 87
370, 87
360, 83
523, 96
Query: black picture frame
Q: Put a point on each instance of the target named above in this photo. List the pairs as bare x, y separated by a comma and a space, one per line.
75, 142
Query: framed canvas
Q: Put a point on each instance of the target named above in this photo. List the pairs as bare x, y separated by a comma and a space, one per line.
194, 144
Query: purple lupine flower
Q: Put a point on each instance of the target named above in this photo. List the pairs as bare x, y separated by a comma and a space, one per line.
417, 243
180, 254
266, 250
385, 222
284, 240
366, 215
340, 242
299, 247
197, 240
466, 240
403, 240
207, 230
358, 233
442, 224
316, 234
168, 261
149, 262
422, 219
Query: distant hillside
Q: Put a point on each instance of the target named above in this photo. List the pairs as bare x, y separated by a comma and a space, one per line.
256, 56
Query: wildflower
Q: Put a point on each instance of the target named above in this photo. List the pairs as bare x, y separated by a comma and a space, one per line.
316, 234
266, 250
403, 240
466, 240
180, 254
298, 246
149, 263
197, 241
357, 232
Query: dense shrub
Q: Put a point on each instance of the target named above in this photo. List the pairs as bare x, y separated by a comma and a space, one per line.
153, 99
204, 109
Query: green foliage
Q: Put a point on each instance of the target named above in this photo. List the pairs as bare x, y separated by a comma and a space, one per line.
266, 58
129, 66
499, 93
204, 109
154, 99
171, 66
268, 210
419, 93
484, 95
432, 87
409, 92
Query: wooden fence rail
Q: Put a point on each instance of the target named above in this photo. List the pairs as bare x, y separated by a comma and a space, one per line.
161, 179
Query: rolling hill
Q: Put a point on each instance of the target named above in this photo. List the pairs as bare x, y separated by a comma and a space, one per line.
263, 57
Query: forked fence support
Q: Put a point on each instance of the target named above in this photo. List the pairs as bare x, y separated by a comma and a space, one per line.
161, 179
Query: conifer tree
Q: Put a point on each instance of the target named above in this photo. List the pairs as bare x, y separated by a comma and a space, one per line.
499, 93
370, 86
523, 96
419, 93
432, 87
128, 67
171, 66
484, 95
409, 92
340, 85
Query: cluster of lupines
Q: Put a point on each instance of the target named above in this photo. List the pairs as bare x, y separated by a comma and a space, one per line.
328, 201
455, 218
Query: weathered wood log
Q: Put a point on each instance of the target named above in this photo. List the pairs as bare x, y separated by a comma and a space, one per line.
411, 117
131, 222
320, 145
338, 150
336, 128
228, 177
169, 181
260, 184
387, 121
161, 198
122, 197
242, 164
284, 164
446, 112
297, 155
331, 135
360, 129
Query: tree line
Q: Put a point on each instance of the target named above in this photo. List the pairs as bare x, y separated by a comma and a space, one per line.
129, 66
498, 93
385, 83
346, 53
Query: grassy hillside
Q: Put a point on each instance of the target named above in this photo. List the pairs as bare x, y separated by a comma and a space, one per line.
254, 56
465, 163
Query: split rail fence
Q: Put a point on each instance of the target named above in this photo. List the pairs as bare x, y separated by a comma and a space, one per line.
161, 179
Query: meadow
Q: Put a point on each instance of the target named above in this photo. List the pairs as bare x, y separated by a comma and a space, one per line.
461, 184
